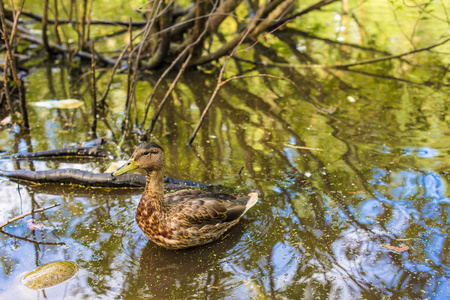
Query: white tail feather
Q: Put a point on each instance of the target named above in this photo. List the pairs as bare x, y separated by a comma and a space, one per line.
252, 201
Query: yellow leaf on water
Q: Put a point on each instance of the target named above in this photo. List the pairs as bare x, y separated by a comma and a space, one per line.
50, 274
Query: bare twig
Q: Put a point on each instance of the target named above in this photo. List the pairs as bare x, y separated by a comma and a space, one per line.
304, 148
261, 38
92, 22
240, 174
225, 8
27, 214
240, 171
113, 71
6, 86
220, 83
88, 35
125, 126
94, 94
410, 39
148, 101
416, 5
277, 13
348, 65
10, 57
58, 38
331, 41
375, 60
16, 19
242, 37
62, 49
174, 62
316, 6
147, 30
82, 24
44, 26
251, 29
29, 240
169, 91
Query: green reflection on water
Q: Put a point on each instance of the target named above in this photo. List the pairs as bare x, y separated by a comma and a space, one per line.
352, 162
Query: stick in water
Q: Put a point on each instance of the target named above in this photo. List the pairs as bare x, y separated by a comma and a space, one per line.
28, 213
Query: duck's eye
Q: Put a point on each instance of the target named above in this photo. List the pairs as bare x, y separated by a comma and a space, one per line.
147, 152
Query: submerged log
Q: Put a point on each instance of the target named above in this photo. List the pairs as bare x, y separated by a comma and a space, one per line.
78, 152
85, 178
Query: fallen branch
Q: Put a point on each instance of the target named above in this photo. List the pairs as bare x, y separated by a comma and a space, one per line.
39, 18
84, 152
85, 178
77, 177
27, 214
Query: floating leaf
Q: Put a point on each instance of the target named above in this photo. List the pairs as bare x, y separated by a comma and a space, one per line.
400, 249
50, 274
32, 225
351, 99
62, 104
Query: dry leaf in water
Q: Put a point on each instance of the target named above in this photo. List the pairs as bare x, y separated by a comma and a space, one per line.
400, 249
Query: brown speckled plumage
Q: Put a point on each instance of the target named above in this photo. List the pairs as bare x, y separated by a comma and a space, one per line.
185, 218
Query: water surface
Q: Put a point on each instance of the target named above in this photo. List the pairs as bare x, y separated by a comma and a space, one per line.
351, 168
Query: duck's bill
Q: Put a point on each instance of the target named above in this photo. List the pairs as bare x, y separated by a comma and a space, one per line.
129, 166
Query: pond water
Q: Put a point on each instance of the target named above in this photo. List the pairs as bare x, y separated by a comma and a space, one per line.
352, 169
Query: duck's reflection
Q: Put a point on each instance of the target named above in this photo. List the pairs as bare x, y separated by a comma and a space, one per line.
178, 274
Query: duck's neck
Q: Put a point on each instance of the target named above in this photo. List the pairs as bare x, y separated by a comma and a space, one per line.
154, 190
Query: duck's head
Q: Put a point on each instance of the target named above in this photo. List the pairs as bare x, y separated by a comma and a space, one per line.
147, 156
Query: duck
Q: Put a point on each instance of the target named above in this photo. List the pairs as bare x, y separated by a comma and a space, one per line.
186, 218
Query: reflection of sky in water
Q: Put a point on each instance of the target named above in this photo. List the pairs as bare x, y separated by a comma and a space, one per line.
423, 152
427, 152
406, 207
349, 254
414, 200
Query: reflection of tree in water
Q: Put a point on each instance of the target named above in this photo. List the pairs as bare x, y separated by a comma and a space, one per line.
354, 262
325, 217
338, 246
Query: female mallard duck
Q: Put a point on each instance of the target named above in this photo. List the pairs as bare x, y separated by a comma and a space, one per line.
185, 218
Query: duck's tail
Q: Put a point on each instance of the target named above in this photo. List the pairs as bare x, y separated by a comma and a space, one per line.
252, 201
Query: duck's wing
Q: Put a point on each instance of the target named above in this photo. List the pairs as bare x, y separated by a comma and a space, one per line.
205, 208
207, 211
186, 195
